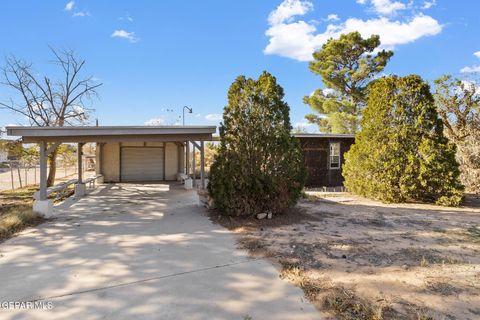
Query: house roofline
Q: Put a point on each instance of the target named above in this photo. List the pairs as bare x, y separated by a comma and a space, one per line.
324, 135
111, 133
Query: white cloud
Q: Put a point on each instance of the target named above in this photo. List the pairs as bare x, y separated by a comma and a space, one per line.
393, 33
294, 40
299, 39
302, 124
155, 122
69, 6
332, 17
429, 4
126, 18
474, 69
288, 9
130, 36
214, 117
81, 14
387, 7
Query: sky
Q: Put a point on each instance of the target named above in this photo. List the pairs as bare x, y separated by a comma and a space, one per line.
154, 57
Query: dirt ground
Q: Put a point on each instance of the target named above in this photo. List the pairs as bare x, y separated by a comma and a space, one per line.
361, 259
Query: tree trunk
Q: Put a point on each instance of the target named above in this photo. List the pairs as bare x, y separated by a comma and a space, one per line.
52, 162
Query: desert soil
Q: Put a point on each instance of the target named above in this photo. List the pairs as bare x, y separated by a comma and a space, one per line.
404, 261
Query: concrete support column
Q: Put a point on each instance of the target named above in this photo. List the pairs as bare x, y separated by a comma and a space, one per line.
42, 205
202, 164
43, 171
80, 187
193, 165
187, 157
100, 180
180, 160
100, 158
79, 162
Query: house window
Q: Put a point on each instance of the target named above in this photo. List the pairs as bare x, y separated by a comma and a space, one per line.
335, 155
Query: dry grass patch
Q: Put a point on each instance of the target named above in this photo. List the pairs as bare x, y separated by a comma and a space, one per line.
346, 305
360, 259
16, 211
335, 299
441, 286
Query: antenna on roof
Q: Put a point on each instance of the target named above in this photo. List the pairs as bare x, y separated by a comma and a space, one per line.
96, 122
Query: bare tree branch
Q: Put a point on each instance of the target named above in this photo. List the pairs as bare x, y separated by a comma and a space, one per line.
50, 103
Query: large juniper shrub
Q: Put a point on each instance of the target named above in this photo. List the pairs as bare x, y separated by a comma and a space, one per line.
259, 166
401, 153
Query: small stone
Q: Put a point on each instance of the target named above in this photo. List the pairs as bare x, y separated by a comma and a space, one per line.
405, 267
262, 215
269, 216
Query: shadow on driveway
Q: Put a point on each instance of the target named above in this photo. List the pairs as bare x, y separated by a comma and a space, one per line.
141, 251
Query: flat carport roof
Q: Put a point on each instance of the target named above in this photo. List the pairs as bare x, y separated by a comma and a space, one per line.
49, 138
112, 133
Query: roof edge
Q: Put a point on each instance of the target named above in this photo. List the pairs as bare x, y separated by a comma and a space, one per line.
324, 135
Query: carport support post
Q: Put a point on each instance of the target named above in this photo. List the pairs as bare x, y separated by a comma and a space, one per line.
42, 205
187, 157
202, 164
193, 165
80, 187
43, 170
100, 178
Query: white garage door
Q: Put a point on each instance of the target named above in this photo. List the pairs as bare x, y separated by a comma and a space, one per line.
142, 164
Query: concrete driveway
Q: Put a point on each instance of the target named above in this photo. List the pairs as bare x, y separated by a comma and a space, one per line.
131, 251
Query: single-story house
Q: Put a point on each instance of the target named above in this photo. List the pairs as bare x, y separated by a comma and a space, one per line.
161, 153
324, 156
161, 161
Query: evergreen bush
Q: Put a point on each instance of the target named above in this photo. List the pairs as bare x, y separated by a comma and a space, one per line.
401, 153
259, 166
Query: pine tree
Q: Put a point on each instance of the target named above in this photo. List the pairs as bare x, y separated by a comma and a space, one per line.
401, 154
346, 65
259, 166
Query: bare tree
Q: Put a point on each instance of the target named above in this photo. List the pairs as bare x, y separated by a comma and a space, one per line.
46, 102
458, 104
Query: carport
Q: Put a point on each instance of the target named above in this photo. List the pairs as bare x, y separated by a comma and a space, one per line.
145, 151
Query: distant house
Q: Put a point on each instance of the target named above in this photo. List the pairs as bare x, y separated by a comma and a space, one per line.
324, 156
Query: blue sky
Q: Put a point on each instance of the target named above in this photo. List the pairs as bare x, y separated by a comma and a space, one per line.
155, 56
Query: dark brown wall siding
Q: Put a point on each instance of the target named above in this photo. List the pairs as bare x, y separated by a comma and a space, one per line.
316, 154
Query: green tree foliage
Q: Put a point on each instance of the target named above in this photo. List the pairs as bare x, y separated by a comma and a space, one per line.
259, 166
401, 153
458, 104
14, 149
31, 155
346, 65
68, 154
